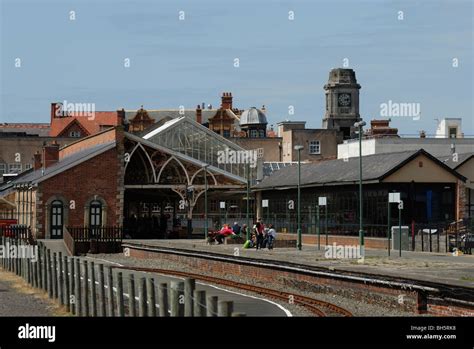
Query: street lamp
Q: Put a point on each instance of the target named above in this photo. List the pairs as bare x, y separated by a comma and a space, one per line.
360, 125
248, 203
299, 148
206, 228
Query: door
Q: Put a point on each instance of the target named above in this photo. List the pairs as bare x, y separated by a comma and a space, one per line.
57, 219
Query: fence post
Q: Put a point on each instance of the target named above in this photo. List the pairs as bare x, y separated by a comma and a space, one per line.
110, 291
86, 287
55, 276
132, 310
67, 291
150, 292
77, 292
211, 303
60, 281
189, 287
93, 290
120, 311
199, 303
102, 291
142, 297
49, 271
72, 298
225, 308
163, 299
177, 295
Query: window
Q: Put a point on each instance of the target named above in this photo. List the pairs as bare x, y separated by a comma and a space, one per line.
226, 133
260, 153
75, 134
28, 166
453, 131
314, 147
253, 133
95, 214
261, 133
14, 168
57, 217
3, 168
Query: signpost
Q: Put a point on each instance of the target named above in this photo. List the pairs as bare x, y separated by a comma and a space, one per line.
265, 204
394, 198
322, 201
222, 206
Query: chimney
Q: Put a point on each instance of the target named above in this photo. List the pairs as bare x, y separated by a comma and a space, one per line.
37, 159
199, 114
226, 100
50, 154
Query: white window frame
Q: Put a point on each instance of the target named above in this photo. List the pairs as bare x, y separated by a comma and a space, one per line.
28, 166
75, 134
13, 165
315, 144
3, 168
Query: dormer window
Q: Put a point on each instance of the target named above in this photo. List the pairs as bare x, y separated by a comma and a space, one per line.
75, 134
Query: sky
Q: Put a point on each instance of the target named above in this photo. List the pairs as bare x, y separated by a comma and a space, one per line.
283, 63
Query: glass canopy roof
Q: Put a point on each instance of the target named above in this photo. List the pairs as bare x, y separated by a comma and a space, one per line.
190, 138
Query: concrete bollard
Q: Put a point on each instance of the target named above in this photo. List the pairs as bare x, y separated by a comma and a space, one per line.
199, 303
150, 292
163, 299
67, 290
110, 291
77, 284
132, 310
93, 290
85, 287
225, 308
211, 303
189, 287
120, 306
101, 291
177, 298
142, 297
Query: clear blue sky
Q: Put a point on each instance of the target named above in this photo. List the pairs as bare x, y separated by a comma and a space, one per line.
282, 62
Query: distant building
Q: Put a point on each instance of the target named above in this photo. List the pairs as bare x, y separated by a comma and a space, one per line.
449, 128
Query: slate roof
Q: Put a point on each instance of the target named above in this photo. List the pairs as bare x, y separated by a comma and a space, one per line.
462, 158
40, 129
374, 168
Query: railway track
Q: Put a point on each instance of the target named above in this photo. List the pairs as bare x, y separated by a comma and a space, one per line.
316, 306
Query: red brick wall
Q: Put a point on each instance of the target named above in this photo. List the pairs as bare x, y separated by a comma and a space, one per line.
413, 301
97, 176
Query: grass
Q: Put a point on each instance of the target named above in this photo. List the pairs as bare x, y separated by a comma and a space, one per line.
21, 286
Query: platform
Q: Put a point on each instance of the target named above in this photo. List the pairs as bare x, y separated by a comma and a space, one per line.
419, 266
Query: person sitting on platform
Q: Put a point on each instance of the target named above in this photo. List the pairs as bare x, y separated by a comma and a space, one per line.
223, 233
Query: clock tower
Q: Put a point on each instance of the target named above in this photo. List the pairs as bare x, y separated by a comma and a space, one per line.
342, 101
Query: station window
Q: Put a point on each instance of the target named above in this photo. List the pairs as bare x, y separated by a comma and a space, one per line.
314, 147
14, 168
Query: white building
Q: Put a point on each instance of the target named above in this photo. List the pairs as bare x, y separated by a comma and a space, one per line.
449, 128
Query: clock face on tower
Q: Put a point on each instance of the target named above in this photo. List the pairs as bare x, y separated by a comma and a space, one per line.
344, 100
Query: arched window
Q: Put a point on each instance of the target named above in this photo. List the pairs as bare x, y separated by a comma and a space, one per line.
57, 219
95, 214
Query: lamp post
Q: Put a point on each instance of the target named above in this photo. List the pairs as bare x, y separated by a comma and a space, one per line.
206, 228
299, 148
360, 125
248, 203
